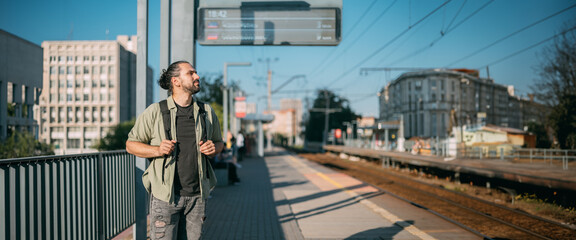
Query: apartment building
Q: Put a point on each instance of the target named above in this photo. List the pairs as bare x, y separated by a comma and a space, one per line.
433, 101
20, 84
88, 87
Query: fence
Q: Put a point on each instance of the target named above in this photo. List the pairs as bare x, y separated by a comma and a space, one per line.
448, 148
84, 196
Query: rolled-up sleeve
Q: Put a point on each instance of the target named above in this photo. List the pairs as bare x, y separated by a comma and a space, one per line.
143, 127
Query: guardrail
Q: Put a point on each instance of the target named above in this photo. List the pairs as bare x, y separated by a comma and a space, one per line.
83, 196
550, 157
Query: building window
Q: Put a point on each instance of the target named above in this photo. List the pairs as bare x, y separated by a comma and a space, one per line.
52, 70
86, 97
86, 58
110, 114
78, 114
70, 58
94, 114
111, 70
70, 114
102, 58
70, 83
86, 114
78, 70
86, 70
61, 70
94, 68
73, 143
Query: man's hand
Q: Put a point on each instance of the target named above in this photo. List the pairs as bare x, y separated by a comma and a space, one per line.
207, 148
166, 147
145, 150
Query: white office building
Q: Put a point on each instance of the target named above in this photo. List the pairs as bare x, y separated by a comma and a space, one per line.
88, 87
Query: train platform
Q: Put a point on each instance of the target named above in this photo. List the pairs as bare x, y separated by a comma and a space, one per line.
539, 174
283, 196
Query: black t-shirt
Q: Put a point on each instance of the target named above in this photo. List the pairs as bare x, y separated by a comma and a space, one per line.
186, 179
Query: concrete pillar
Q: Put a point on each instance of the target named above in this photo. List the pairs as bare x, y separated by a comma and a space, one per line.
140, 195
3, 108
260, 140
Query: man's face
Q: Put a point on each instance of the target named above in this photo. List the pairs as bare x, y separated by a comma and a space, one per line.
189, 79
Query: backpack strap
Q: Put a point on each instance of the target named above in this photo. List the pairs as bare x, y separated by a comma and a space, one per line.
202, 113
166, 118
204, 137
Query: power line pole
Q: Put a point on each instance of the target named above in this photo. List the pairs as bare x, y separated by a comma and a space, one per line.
327, 110
268, 60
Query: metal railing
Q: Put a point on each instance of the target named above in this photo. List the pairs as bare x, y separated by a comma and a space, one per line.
83, 196
441, 147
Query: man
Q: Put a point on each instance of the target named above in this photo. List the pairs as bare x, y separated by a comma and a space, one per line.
179, 177
241, 146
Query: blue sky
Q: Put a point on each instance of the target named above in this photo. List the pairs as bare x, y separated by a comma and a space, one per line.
371, 37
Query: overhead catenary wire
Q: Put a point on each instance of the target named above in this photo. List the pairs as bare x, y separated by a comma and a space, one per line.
325, 60
390, 42
511, 34
527, 48
358, 37
443, 33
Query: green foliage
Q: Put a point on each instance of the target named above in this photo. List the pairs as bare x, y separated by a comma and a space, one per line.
316, 122
116, 138
211, 92
538, 129
11, 109
22, 144
563, 119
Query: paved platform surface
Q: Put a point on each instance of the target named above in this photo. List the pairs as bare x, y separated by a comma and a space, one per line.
282, 196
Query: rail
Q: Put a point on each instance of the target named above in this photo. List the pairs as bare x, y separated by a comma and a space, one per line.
82, 196
442, 147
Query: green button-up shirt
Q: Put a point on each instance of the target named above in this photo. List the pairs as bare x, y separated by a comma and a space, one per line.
149, 129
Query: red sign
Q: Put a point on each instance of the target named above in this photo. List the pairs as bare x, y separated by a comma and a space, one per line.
240, 107
338, 133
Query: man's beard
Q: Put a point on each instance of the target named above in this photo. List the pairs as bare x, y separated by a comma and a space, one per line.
193, 89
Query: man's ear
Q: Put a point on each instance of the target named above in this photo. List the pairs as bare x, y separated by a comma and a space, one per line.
175, 81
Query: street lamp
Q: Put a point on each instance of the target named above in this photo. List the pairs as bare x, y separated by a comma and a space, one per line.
225, 91
462, 80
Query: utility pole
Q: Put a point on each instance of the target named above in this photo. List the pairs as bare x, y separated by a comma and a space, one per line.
327, 110
268, 60
225, 92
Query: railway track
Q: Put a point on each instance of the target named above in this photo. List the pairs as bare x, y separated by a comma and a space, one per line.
488, 219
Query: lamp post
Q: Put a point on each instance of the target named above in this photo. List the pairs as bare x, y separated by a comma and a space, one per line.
225, 91
462, 80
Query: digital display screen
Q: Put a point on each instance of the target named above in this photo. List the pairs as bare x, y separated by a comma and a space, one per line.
254, 26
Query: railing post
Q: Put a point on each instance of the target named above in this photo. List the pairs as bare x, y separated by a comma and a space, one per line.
100, 196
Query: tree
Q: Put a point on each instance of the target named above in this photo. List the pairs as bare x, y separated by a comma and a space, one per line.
22, 144
315, 124
539, 130
116, 138
211, 92
556, 87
